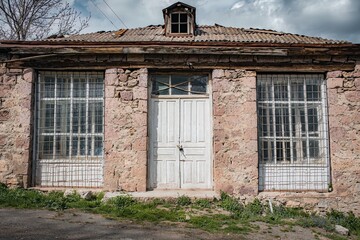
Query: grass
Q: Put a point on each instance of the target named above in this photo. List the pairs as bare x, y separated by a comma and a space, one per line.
225, 215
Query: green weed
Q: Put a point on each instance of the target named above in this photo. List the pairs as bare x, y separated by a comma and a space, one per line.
183, 201
177, 210
203, 203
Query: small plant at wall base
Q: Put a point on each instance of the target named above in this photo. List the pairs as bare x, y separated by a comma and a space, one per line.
226, 214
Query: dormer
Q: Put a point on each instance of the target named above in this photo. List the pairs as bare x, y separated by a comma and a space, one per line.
179, 20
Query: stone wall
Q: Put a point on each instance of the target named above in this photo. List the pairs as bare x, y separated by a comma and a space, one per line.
15, 125
344, 130
125, 129
235, 132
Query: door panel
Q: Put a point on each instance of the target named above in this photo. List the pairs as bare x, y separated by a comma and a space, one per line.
180, 144
164, 160
195, 140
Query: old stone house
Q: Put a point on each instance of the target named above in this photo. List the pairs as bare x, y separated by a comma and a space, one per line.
256, 113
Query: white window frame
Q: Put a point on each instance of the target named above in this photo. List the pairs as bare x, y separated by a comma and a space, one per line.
293, 169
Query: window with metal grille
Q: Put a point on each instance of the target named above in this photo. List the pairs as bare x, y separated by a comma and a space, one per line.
179, 23
292, 133
69, 129
179, 84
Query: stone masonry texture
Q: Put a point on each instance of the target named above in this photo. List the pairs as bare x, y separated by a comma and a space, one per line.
235, 132
15, 125
125, 129
235, 156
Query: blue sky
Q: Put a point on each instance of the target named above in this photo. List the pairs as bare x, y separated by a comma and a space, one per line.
333, 19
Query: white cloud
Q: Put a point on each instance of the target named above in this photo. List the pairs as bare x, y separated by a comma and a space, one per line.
238, 5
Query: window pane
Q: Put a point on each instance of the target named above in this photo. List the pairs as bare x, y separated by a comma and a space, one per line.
63, 86
183, 28
180, 85
198, 84
62, 147
98, 146
183, 17
297, 91
175, 17
63, 116
47, 109
281, 91
48, 87
96, 86
46, 147
312, 90
160, 85
79, 117
313, 122
79, 86
175, 28
314, 148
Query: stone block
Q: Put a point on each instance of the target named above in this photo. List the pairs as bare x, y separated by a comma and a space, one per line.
4, 115
111, 79
140, 93
334, 82
123, 77
3, 166
11, 80
249, 82
219, 110
341, 230
143, 105
357, 83
28, 75
126, 95
334, 74
109, 91
143, 80
5, 91
132, 82
139, 119
218, 73
353, 96
139, 144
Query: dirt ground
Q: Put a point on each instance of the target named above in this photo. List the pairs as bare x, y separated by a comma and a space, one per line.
71, 224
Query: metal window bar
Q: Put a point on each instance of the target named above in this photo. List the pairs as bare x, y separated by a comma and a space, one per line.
294, 155
66, 102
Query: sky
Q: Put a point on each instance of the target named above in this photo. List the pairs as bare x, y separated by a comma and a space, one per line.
332, 19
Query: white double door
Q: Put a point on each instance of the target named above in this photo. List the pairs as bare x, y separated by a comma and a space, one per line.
180, 150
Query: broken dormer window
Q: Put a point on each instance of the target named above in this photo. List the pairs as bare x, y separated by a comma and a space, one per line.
179, 23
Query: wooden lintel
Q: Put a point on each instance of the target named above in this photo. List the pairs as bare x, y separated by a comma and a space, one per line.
155, 50
303, 67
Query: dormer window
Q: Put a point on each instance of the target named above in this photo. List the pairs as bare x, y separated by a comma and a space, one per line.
179, 20
179, 23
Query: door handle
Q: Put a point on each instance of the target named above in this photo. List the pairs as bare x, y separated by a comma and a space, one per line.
180, 147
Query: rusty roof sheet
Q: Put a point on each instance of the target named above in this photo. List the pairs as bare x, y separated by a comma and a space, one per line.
216, 33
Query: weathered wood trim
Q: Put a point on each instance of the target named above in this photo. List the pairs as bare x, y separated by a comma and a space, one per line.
265, 67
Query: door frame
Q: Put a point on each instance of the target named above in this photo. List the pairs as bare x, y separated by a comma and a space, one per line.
211, 120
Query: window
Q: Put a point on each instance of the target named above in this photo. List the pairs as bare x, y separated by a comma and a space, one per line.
70, 130
179, 23
179, 84
292, 133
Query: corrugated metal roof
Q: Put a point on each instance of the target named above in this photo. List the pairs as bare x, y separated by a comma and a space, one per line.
214, 33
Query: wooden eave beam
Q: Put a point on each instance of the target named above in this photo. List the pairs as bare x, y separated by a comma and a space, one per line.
271, 51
